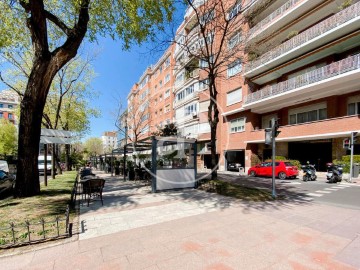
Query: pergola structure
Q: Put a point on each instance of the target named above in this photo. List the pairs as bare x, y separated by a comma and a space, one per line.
173, 160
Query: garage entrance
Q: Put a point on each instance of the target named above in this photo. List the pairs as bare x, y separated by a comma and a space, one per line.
316, 152
233, 158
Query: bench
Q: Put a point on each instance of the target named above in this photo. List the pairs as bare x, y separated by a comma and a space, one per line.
93, 188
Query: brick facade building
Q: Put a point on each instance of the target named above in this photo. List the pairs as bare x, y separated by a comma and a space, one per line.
297, 61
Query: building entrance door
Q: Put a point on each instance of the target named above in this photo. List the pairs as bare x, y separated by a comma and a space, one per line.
317, 153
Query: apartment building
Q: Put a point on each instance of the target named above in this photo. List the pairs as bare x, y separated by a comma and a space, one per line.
299, 63
109, 141
150, 101
8, 103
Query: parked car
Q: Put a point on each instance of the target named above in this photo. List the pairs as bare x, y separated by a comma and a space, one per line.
7, 182
234, 167
283, 170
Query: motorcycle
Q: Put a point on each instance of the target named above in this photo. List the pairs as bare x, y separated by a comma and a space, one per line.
334, 173
309, 173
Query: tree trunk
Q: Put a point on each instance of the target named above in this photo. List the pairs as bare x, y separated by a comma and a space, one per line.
67, 157
214, 160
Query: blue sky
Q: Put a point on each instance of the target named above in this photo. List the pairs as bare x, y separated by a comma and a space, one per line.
117, 71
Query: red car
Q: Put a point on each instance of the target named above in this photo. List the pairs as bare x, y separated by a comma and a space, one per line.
283, 170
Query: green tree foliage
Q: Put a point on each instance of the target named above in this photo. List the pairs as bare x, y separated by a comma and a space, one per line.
8, 138
56, 29
168, 130
93, 146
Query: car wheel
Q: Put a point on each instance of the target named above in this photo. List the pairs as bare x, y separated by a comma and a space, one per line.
282, 175
252, 173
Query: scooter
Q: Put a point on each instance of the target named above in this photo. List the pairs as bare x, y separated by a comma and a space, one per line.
309, 173
334, 173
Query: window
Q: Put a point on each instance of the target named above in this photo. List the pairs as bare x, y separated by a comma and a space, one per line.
144, 117
167, 78
204, 62
204, 127
160, 69
209, 16
1, 115
190, 109
237, 125
160, 112
167, 108
160, 84
1, 105
167, 62
10, 116
10, 106
155, 101
234, 68
167, 93
308, 114
234, 10
233, 97
144, 94
354, 108
144, 81
204, 84
354, 105
160, 98
234, 40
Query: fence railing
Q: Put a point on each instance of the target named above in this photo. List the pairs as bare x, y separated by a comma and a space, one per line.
334, 69
328, 24
277, 13
27, 232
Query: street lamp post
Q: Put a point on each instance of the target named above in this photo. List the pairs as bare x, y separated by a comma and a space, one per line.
126, 130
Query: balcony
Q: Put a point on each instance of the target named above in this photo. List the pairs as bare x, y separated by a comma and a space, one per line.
276, 15
332, 28
186, 78
250, 5
335, 79
190, 97
324, 129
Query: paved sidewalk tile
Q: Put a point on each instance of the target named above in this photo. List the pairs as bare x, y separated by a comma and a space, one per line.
191, 229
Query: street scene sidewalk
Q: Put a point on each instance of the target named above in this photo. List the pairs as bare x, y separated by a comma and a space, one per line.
192, 229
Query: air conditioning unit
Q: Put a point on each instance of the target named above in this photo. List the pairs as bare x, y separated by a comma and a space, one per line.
194, 114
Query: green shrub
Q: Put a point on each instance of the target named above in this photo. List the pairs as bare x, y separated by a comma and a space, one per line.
293, 161
345, 162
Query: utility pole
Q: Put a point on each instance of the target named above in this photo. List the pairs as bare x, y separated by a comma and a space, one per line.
270, 135
352, 141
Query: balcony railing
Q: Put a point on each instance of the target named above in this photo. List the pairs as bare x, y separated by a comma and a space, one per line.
330, 23
317, 75
276, 14
186, 98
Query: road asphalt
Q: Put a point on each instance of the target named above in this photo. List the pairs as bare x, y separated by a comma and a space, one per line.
192, 229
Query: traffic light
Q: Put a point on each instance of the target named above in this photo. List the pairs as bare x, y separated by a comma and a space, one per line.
354, 136
268, 136
273, 132
346, 143
275, 128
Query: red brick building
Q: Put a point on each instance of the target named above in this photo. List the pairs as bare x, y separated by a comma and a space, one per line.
299, 63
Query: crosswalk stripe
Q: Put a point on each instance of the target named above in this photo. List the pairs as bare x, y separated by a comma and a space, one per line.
322, 191
331, 189
339, 187
314, 194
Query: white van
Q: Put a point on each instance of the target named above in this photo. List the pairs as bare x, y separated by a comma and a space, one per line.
41, 161
4, 166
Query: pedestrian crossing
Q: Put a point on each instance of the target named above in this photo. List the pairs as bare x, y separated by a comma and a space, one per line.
320, 193
325, 191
